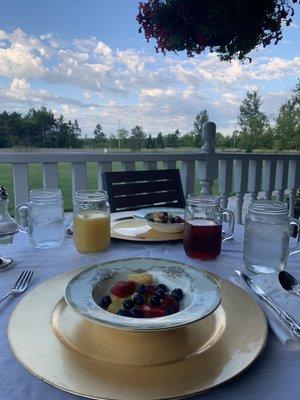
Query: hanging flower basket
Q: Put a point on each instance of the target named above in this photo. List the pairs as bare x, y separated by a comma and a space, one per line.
231, 28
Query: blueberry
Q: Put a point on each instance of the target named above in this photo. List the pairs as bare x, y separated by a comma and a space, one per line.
177, 294
155, 301
169, 311
172, 220
128, 304
178, 219
123, 313
164, 220
165, 214
138, 299
160, 294
136, 313
162, 287
105, 301
141, 289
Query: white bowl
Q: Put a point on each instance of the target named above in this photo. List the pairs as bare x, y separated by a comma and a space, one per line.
164, 227
202, 294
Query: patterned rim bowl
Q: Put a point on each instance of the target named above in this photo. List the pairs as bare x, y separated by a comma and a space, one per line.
202, 293
161, 227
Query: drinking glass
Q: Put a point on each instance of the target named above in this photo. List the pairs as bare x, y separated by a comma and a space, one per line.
43, 218
91, 221
266, 240
202, 232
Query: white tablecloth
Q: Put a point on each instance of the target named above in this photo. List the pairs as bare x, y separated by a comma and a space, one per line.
274, 376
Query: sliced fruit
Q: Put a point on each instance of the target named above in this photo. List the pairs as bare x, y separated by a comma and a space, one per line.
115, 306
150, 289
152, 312
170, 302
145, 278
123, 288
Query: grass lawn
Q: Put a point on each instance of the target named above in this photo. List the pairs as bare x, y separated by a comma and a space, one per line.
36, 181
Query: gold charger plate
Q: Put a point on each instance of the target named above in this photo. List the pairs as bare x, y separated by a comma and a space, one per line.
138, 230
47, 338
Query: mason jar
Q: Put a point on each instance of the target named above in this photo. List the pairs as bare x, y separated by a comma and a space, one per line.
91, 221
202, 232
43, 218
267, 233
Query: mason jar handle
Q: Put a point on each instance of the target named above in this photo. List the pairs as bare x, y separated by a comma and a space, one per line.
228, 235
295, 249
21, 216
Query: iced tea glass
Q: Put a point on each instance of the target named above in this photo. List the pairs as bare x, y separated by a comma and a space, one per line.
202, 233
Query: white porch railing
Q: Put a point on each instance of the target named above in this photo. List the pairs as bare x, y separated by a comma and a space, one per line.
273, 174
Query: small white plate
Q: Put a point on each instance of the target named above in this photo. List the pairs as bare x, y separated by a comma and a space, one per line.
202, 294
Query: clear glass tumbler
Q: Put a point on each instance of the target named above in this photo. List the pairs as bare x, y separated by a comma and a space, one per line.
91, 221
202, 232
266, 240
43, 218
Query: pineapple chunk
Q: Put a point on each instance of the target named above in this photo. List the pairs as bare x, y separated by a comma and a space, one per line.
146, 279
115, 305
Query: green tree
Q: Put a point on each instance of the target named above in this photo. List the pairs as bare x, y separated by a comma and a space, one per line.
11, 130
200, 120
99, 136
42, 122
172, 139
187, 140
160, 143
113, 141
287, 128
137, 138
253, 123
123, 135
151, 142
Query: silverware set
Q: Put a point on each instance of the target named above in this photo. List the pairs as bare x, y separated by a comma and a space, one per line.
289, 283
21, 284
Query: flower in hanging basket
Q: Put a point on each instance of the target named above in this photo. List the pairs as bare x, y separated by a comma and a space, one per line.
232, 28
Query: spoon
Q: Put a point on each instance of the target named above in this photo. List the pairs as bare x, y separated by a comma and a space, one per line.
289, 283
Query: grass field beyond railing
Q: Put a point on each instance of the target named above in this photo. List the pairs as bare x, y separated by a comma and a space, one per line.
65, 181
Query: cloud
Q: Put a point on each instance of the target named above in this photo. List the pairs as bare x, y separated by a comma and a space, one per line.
155, 91
277, 68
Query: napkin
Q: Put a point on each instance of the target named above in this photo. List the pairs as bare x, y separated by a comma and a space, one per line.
287, 301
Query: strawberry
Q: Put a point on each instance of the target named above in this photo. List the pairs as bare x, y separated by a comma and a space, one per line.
151, 311
149, 289
170, 302
123, 288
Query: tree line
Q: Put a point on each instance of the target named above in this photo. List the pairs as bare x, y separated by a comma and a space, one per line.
40, 128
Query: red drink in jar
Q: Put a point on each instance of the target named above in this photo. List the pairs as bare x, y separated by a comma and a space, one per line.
202, 239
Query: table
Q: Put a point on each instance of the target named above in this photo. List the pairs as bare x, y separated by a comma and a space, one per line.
273, 376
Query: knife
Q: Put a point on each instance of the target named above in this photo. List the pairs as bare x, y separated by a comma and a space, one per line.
283, 315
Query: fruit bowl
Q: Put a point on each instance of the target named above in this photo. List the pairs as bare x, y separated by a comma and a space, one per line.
202, 294
165, 222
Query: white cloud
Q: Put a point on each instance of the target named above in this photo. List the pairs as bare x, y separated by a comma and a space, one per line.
158, 92
103, 50
277, 68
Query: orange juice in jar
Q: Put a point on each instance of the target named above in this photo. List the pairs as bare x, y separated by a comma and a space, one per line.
91, 221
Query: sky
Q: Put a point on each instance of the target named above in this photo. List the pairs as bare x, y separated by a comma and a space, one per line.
87, 60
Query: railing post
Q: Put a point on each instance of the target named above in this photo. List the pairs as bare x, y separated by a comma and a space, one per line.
225, 180
207, 171
293, 184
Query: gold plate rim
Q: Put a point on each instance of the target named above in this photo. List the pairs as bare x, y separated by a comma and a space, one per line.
222, 281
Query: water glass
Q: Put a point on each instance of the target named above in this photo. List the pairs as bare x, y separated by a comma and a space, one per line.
43, 218
267, 233
202, 232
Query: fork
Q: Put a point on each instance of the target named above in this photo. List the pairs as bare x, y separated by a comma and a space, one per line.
21, 284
